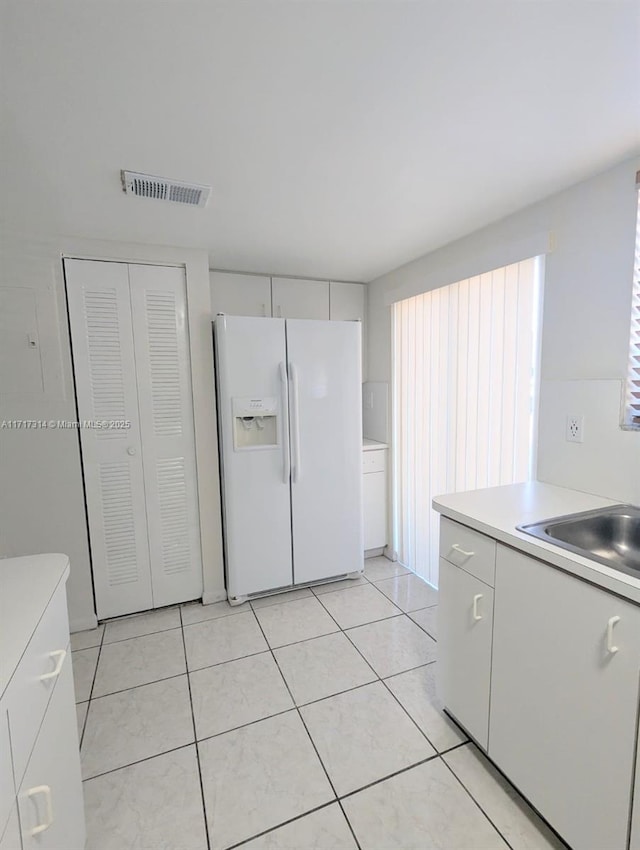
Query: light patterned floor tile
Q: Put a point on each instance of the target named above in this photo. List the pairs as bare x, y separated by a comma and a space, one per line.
142, 624
138, 661
153, 805
81, 716
427, 619
132, 725
223, 639
377, 569
393, 645
294, 621
258, 777
408, 592
362, 736
196, 612
416, 690
238, 692
84, 667
358, 606
321, 667
424, 808
326, 829
515, 819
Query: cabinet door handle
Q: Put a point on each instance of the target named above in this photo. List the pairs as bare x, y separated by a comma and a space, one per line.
476, 599
610, 646
60, 654
46, 790
459, 549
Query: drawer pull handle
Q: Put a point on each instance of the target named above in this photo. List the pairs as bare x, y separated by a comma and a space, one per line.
459, 549
610, 645
60, 654
476, 599
46, 790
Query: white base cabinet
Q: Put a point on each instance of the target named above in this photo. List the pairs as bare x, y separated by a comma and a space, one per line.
465, 618
374, 498
547, 681
50, 797
564, 698
41, 805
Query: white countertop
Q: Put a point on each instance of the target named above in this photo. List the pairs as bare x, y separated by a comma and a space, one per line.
26, 586
368, 445
497, 511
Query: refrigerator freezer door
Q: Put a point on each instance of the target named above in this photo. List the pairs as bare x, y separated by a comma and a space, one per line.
251, 357
326, 448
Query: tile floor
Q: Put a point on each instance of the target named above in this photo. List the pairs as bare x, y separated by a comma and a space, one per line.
304, 720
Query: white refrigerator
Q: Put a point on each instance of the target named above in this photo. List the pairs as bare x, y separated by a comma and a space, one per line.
290, 428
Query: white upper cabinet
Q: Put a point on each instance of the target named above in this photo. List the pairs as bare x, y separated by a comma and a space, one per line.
347, 301
299, 299
240, 294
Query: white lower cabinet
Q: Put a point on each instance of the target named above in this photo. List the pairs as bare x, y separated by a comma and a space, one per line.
50, 796
564, 698
374, 498
465, 618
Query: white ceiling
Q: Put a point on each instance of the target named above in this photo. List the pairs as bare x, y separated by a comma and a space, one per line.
341, 138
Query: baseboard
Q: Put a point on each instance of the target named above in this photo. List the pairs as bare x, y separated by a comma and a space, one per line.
374, 553
83, 624
390, 553
215, 596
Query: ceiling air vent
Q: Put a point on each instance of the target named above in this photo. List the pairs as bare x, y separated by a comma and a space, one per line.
148, 186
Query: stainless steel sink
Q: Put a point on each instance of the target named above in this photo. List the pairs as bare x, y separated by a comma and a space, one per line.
610, 536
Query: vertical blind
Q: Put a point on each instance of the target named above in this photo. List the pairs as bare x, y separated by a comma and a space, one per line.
463, 398
632, 401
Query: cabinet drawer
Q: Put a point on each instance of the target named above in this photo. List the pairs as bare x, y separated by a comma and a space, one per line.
50, 797
374, 461
469, 549
29, 693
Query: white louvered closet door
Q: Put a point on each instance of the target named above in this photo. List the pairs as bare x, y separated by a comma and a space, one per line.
131, 363
104, 367
159, 309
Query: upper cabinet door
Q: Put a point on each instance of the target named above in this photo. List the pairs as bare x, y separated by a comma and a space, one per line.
240, 294
348, 301
299, 299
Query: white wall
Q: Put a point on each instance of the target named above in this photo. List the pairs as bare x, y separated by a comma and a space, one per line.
590, 229
42, 499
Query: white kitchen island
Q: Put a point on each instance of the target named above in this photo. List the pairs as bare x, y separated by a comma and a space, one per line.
539, 656
41, 804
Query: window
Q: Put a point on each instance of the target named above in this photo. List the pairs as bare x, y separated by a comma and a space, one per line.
464, 397
632, 400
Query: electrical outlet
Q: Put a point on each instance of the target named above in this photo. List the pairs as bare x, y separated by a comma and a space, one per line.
575, 429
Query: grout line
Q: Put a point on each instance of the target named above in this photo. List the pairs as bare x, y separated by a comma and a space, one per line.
138, 761
313, 744
144, 634
141, 685
395, 773
284, 823
93, 681
195, 739
457, 778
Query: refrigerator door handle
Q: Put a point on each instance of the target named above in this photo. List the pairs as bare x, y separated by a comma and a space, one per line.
295, 424
286, 463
